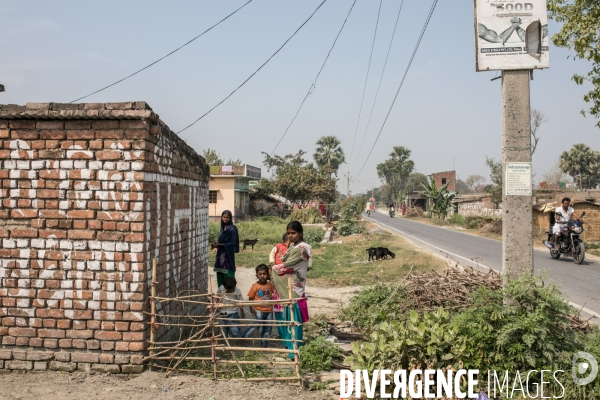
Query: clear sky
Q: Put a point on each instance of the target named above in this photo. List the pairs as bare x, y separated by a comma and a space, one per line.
446, 113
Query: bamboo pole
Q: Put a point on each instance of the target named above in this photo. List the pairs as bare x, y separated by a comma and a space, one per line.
293, 328
228, 326
258, 349
152, 310
232, 353
279, 378
212, 338
221, 361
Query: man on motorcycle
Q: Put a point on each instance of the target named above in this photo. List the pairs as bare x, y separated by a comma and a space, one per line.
561, 217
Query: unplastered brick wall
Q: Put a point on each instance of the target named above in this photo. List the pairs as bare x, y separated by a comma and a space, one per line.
90, 194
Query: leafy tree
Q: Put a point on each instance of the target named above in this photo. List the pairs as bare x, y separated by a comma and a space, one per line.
494, 190
214, 159
297, 180
461, 186
475, 183
581, 32
415, 182
395, 170
583, 164
329, 154
441, 199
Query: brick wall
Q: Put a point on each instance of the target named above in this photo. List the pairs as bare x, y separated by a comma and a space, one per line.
90, 194
448, 177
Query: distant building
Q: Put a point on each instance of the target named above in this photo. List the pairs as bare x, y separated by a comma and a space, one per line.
229, 189
442, 178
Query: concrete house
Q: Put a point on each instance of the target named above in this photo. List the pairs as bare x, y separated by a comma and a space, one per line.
229, 189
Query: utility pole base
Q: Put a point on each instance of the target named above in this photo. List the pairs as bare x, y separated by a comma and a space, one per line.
517, 218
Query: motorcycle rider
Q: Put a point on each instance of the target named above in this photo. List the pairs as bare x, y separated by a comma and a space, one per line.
391, 206
566, 213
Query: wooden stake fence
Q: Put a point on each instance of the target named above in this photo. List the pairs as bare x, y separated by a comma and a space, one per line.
206, 330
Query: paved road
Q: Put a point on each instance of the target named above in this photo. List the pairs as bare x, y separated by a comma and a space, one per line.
581, 283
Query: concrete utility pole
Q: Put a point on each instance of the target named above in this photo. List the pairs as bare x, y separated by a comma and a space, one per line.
517, 226
348, 184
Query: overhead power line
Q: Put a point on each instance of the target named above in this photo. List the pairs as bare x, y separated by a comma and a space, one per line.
314, 84
162, 58
255, 72
379, 85
366, 80
401, 83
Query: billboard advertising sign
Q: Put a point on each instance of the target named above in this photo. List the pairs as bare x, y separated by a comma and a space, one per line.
511, 34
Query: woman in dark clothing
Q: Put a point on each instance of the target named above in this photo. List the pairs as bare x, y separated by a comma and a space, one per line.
227, 245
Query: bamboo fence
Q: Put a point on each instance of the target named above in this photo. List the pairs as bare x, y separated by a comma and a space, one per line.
206, 332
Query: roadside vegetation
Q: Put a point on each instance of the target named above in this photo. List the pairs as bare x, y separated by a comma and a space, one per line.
533, 331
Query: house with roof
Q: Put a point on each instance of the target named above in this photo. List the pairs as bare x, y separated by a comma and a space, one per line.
229, 189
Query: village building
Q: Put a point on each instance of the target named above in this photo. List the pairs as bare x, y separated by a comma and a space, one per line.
443, 178
91, 194
418, 198
477, 204
229, 189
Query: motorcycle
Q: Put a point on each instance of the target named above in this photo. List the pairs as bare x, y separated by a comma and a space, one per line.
392, 213
569, 241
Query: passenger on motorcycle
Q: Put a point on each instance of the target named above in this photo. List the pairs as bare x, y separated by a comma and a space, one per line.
561, 217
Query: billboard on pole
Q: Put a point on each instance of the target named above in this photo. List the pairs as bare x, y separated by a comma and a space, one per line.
511, 34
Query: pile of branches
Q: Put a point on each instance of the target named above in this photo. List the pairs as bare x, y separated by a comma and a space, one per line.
414, 212
450, 289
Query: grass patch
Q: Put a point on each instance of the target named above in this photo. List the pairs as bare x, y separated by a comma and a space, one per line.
338, 265
345, 264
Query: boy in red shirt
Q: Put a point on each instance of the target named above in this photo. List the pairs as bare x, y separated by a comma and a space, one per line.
261, 290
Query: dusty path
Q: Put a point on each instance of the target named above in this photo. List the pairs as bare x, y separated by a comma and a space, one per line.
147, 386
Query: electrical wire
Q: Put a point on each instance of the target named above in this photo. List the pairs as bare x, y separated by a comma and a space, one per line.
401, 82
379, 85
162, 58
255, 72
314, 84
366, 80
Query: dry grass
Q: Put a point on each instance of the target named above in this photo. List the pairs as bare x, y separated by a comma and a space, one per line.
345, 264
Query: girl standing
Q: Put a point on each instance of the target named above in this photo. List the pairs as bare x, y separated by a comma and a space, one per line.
296, 263
227, 244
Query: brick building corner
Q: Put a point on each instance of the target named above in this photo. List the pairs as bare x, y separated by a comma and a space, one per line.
90, 194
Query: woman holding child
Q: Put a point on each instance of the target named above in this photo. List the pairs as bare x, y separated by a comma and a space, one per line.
295, 264
227, 244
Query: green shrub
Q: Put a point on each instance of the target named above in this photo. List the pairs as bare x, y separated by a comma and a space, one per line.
365, 309
313, 235
347, 228
530, 332
271, 219
317, 355
430, 341
473, 221
316, 326
308, 215
456, 219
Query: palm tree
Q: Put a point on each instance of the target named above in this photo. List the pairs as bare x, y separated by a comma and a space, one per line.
579, 163
329, 154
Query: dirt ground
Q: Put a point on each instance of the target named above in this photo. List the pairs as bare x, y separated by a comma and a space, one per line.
52, 385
